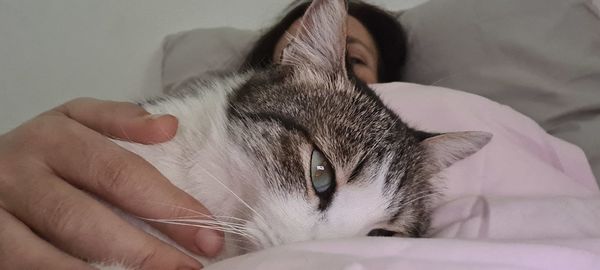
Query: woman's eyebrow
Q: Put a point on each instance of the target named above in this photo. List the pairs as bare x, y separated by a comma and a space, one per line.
353, 40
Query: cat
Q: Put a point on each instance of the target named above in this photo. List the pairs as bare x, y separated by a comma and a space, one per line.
300, 150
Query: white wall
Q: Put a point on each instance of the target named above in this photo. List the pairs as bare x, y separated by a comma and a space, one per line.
53, 51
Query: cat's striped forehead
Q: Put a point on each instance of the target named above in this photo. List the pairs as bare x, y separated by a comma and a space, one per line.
345, 119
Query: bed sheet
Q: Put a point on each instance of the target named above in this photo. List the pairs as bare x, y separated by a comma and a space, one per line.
525, 201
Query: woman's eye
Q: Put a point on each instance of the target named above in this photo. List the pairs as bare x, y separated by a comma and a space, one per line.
321, 173
381, 232
356, 61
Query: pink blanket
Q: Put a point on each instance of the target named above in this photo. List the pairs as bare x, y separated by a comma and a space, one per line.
526, 201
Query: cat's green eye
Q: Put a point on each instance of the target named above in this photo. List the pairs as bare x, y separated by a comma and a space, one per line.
321, 173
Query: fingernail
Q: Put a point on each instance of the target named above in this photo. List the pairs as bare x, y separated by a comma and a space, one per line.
209, 242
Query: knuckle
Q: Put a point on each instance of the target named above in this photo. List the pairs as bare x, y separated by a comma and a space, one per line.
59, 214
116, 176
40, 130
24, 136
44, 131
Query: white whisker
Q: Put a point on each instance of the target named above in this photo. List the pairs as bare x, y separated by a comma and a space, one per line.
212, 227
233, 193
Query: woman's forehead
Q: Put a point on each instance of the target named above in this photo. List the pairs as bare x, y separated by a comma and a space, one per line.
358, 33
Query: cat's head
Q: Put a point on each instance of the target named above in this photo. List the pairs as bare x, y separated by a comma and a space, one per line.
330, 159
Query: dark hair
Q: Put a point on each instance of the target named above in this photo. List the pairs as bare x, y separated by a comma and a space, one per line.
385, 29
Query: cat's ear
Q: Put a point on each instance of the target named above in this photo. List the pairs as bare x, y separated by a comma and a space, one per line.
445, 149
321, 38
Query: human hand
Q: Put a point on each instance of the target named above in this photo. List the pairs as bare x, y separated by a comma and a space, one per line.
48, 221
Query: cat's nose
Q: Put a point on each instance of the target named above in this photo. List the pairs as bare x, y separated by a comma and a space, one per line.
381, 232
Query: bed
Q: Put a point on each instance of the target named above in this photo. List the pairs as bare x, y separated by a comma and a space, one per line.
526, 71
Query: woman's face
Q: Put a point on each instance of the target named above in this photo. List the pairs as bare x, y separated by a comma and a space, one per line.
360, 48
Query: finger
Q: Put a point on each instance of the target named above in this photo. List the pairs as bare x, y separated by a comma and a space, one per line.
80, 225
121, 120
20, 248
131, 183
